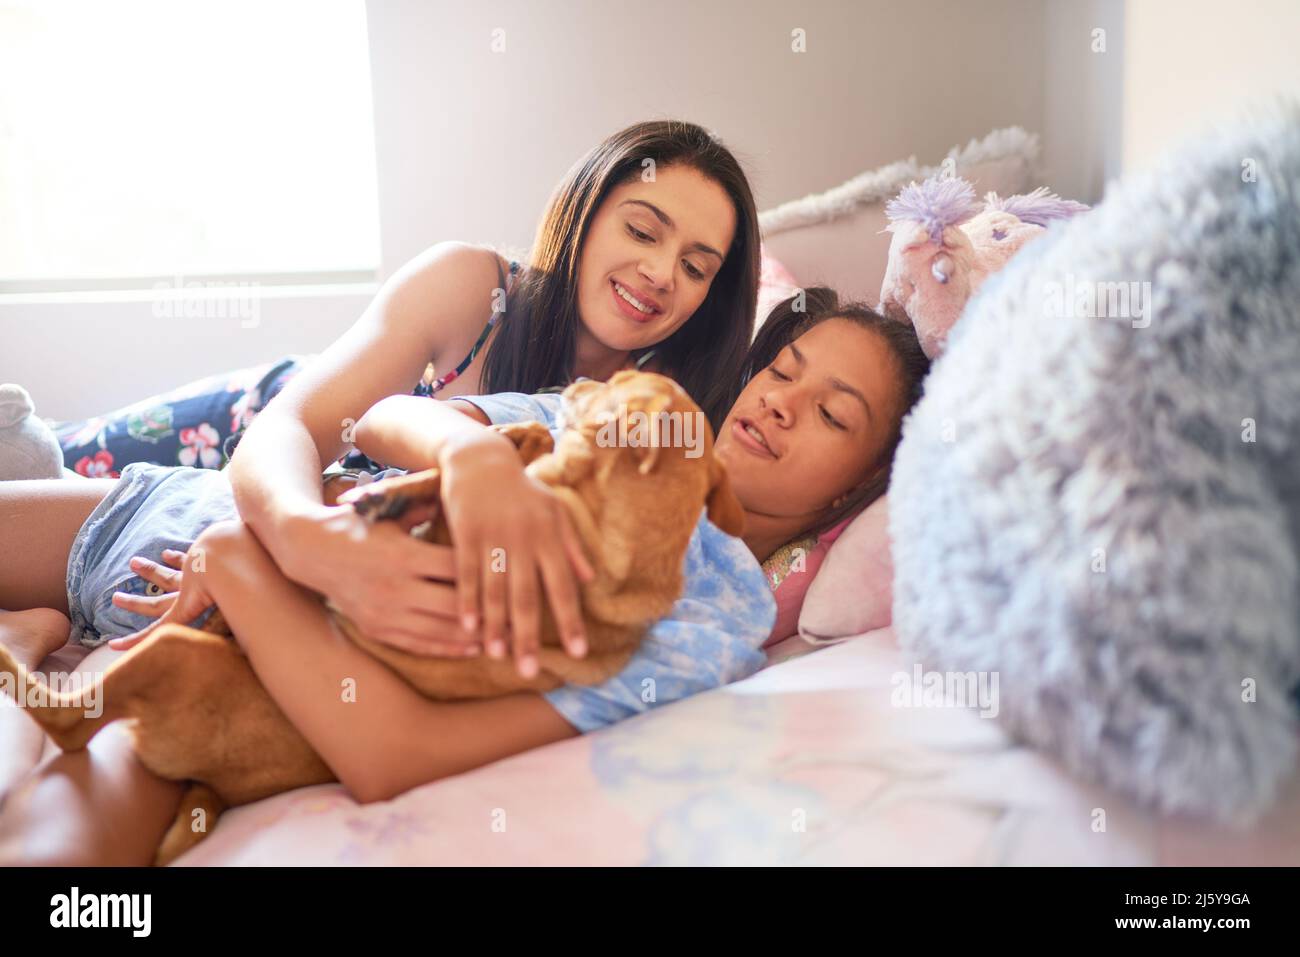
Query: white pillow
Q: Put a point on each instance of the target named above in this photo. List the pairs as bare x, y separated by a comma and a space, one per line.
837, 238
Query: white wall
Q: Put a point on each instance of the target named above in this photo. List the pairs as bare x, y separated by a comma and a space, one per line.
84, 355
470, 142
80, 357
1083, 89
1190, 64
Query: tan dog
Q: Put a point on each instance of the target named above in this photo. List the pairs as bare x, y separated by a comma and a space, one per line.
634, 506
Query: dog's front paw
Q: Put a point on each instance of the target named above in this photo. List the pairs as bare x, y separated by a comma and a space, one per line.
390, 499
531, 439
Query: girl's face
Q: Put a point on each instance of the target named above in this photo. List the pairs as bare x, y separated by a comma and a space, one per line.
650, 255
812, 425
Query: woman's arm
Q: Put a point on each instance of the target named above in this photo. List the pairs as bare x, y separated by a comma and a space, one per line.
378, 577
494, 511
390, 586
378, 735
428, 304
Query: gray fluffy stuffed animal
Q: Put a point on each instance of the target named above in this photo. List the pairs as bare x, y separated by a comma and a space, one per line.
28, 449
1100, 500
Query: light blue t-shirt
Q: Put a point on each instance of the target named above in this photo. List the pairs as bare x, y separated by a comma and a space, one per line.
712, 636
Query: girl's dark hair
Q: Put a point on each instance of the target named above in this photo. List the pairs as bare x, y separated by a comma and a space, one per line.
535, 343
791, 318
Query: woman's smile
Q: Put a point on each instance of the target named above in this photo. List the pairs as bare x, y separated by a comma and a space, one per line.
637, 306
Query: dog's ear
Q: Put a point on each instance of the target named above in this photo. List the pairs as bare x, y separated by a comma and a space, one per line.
575, 452
574, 399
658, 432
576, 390
722, 505
647, 458
616, 559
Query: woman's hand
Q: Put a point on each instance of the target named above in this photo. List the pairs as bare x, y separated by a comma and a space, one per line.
396, 589
437, 632
510, 529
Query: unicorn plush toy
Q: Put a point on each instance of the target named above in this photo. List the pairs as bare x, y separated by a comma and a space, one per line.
945, 245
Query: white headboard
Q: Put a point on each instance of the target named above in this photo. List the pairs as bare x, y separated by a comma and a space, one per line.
836, 238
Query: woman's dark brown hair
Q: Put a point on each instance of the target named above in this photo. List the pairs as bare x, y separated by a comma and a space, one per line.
535, 344
791, 318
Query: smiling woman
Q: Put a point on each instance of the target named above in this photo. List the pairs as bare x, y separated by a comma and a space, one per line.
654, 227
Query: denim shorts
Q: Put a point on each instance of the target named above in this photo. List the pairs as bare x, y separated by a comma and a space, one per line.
152, 508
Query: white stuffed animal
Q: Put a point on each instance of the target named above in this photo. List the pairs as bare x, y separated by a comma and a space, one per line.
28, 448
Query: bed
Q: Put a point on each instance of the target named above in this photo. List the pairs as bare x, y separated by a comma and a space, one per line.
808, 761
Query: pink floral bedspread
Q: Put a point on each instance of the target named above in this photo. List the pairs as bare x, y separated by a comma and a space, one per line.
807, 762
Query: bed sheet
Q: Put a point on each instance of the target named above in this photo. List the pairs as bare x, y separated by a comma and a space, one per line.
807, 762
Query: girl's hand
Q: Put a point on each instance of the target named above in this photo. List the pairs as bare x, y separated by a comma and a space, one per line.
187, 596
167, 577
510, 529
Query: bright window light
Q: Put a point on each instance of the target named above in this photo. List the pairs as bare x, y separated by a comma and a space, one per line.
142, 139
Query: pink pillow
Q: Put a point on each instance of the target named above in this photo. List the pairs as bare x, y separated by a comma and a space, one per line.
795, 583
853, 590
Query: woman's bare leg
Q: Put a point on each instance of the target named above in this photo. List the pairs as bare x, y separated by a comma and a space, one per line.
99, 806
30, 636
39, 519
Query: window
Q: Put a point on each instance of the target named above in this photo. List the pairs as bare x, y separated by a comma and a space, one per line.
144, 140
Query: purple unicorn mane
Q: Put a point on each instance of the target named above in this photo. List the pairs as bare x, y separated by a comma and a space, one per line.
1039, 207
939, 202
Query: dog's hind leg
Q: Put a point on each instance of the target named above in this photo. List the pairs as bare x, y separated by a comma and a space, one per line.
71, 717
195, 818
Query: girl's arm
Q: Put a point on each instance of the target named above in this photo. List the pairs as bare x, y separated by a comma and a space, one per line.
378, 735
409, 432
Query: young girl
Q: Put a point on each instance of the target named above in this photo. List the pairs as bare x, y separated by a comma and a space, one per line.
647, 253
811, 436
